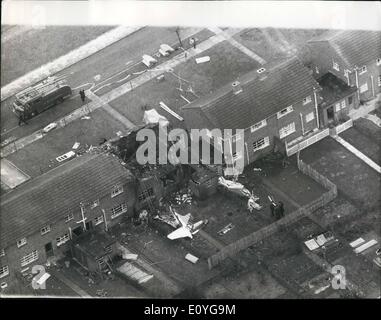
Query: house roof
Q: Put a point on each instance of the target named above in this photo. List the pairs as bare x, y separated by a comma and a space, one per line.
334, 89
51, 196
281, 85
355, 47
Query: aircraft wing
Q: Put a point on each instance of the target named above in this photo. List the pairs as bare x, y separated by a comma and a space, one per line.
180, 233
183, 219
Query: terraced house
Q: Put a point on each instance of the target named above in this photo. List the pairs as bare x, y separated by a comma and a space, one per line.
276, 103
41, 217
351, 55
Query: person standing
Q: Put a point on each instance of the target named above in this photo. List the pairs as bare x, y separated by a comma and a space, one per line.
83, 95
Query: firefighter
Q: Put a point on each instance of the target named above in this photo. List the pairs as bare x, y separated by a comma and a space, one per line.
192, 42
82, 94
22, 119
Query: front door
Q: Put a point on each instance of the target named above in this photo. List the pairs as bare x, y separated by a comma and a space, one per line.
330, 114
49, 249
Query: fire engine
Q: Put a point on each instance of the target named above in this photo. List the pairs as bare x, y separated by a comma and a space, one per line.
38, 98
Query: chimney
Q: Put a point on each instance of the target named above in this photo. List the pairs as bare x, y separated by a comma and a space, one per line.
236, 87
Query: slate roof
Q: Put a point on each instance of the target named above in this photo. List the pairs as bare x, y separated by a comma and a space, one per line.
51, 196
334, 89
263, 95
355, 47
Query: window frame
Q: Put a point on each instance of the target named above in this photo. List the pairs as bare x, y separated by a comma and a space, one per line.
266, 143
363, 70
258, 125
19, 244
367, 88
284, 111
4, 271
308, 114
34, 257
292, 124
43, 232
116, 190
307, 100
61, 240
98, 220
123, 209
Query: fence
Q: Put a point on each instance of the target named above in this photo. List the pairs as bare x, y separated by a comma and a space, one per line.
342, 127
232, 249
307, 142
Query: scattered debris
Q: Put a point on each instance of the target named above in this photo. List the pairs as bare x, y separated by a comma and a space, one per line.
202, 59
357, 242
235, 187
365, 246
85, 118
76, 146
170, 111
166, 48
130, 256
226, 229
153, 117
65, 156
148, 60
257, 169
160, 78
191, 258
49, 127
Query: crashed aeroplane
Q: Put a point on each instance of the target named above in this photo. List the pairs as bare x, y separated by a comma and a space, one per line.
239, 189
186, 229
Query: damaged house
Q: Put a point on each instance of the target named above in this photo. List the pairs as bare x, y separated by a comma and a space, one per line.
41, 218
276, 105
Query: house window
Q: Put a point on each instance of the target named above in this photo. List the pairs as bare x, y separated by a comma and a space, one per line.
4, 271
364, 88
98, 220
29, 258
145, 194
337, 107
261, 143
116, 190
343, 105
62, 239
379, 81
378, 61
362, 70
69, 217
118, 210
285, 111
310, 116
307, 100
336, 66
2, 252
287, 130
258, 125
45, 230
95, 204
21, 242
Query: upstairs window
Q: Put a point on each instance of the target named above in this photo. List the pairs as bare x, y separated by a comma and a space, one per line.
285, 111
362, 70
261, 144
310, 116
116, 191
21, 242
364, 88
95, 204
307, 100
69, 217
118, 210
98, 220
258, 125
335, 66
45, 230
62, 239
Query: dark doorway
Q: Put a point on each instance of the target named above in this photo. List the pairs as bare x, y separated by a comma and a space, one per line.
89, 225
330, 114
78, 231
49, 249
